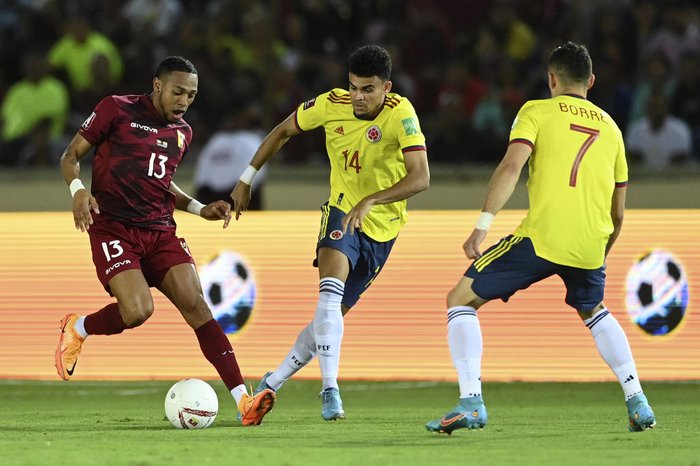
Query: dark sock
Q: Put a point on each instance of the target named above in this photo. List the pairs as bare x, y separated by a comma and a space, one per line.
106, 321
217, 349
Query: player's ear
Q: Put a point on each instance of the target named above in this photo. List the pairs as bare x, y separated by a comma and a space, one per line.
387, 86
157, 84
591, 81
552, 80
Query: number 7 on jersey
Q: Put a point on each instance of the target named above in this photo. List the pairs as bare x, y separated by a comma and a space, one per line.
592, 136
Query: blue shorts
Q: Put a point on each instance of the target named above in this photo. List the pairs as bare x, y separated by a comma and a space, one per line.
511, 265
366, 256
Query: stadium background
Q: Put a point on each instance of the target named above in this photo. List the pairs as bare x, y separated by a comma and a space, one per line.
467, 66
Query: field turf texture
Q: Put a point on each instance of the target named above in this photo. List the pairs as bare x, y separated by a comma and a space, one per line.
122, 423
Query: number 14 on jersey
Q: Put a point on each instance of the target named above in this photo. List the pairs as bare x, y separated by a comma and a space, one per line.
352, 161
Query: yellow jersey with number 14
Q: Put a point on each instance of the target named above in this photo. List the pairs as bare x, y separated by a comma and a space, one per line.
366, 156
578, 158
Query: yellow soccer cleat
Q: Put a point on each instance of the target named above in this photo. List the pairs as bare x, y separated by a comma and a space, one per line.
254, 407
69, 347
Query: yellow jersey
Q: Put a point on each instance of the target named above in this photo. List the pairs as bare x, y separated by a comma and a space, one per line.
366, 156
577, 160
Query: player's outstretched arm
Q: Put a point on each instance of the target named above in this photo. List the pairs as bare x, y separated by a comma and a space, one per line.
272, 143
501, 187
83, 201
217, 210
417, 179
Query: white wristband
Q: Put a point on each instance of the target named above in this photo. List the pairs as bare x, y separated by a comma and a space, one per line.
195, 207
248, 175
484, 221
75, 186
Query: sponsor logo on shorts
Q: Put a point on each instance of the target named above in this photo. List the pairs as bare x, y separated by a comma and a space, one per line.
116, 265
374, 134
335, 234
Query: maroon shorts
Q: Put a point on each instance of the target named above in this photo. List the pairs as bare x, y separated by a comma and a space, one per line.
117, 247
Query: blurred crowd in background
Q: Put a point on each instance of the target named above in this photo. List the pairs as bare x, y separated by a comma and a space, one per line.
466, 65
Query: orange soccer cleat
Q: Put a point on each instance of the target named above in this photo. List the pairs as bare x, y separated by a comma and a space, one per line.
254, 407
69, 347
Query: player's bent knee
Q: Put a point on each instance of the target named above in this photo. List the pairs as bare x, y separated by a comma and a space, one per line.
458, 296
136, 314
588, 313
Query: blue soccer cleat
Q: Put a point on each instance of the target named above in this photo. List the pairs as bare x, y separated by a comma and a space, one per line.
640, 414
331, 405
470, 413
263, 384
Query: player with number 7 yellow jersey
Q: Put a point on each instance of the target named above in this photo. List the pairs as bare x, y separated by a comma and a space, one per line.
577, 160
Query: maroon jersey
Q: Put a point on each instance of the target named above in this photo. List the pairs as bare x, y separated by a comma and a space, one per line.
135, 160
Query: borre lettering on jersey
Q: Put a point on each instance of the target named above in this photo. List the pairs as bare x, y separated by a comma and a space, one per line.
577, 110
144, 127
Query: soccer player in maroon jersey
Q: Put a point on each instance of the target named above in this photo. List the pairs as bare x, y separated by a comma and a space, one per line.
128, 215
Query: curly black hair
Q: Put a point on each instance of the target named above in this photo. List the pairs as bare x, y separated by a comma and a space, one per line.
371, 60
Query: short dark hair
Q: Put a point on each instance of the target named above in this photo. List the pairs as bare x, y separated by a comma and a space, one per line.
174, 63
571, 62
371, 60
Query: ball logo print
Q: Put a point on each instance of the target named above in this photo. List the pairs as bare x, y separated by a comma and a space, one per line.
657, 293
191, 404
229, 288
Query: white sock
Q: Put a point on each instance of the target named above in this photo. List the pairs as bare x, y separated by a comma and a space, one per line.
238, 393
466, 347
328, 329
80, 327
613, 347
300, 355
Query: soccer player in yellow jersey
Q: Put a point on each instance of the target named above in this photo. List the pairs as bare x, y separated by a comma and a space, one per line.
577, 185
378, 160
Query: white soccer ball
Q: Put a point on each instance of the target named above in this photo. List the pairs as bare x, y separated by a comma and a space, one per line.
191, 404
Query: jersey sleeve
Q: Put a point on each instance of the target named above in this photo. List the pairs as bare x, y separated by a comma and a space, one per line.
525, 126
97, 126
312, 113
621, 174
410, 136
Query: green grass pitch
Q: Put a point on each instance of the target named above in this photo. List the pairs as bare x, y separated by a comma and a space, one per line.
122, 423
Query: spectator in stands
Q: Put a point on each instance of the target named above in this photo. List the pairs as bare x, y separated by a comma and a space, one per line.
658, 74
75, 51
39, 102
679, 32
224, 158
685, 103
658, 140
